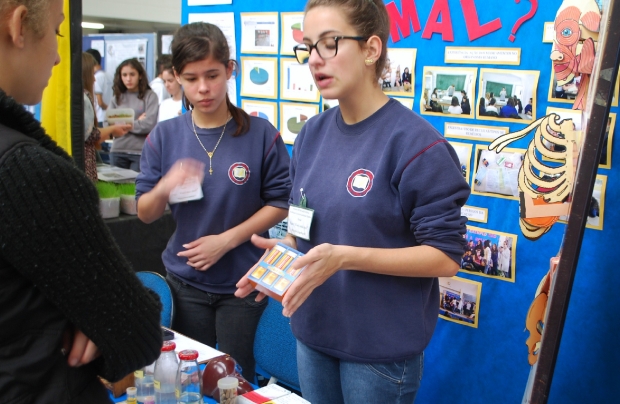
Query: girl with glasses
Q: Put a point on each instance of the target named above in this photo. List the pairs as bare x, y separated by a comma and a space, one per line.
386, 190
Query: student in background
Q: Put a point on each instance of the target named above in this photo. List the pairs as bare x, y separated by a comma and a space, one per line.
528, 108
465, 106
482, 106
71, 307
455, 107
131, 90
509, 110
365, 306
103, 87
93, 135
241, 164
157, 84
173, 106
491, 107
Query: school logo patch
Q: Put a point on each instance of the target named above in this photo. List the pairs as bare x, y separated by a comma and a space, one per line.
239, 173
360, 182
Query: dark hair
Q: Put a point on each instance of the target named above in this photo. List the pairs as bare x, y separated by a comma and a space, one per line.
88, 73
162, 62
482, 109
510, 102
455, 101
199, 41
367, 17
119, 86
492, 101
94, 53
491, 94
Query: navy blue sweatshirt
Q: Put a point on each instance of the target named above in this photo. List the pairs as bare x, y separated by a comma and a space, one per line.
249, 171
390, 181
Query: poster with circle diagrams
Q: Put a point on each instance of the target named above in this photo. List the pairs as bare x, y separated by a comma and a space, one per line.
262, 109
296, 82
259, 77
292, 32
293, 117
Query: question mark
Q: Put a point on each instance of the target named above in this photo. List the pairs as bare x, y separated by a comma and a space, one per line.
523, 19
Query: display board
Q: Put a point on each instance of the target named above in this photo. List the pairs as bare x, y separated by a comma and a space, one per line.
485, 361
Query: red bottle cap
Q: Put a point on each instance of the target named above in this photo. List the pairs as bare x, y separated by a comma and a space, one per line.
168, 346
188, 355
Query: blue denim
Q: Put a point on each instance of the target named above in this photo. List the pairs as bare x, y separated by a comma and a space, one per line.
325, 379
124, 160
221, 319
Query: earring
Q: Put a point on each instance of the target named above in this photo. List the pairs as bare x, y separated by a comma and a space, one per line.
369, 62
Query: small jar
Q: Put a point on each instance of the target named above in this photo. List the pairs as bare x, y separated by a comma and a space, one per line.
132, 395
228, 389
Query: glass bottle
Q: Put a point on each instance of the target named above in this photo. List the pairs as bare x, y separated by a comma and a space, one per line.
164, 377
189, 379
143, 379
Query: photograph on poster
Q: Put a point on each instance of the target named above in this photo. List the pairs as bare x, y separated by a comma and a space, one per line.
398, 75
224, 21
259, 77
496, 174
459, 300
407, 102
596, 211
296, 82
463, 150
292, 34
262, 109
490, 253
563, 93
260, 33
508, 95
293, 117
448, 90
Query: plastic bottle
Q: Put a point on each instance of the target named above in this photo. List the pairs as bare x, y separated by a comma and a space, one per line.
228, 389
132, 393
143, 379
164, 377
189, 379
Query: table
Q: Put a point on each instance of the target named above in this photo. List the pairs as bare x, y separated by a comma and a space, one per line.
142, 243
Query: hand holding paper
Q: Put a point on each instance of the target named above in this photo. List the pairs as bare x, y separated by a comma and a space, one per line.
183, 181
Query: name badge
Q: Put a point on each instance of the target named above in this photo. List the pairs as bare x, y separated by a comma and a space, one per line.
299, 221
190, 190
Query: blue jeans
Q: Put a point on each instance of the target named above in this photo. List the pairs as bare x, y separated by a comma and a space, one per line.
221, 319
325, 379
124, 160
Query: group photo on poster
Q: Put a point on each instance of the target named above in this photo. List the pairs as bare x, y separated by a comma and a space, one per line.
507, 94
490, 253
459, 300
448, 90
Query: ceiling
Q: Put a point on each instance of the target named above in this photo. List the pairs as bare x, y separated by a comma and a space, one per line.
116, 25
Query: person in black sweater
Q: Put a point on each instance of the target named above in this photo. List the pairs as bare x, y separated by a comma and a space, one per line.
71, 308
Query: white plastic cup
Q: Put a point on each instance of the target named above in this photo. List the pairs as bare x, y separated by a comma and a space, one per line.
129, 204
109, 207
228, 389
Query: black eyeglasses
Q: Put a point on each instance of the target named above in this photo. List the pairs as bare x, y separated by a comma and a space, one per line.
326, 47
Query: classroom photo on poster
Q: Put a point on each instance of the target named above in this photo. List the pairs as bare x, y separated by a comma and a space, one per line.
448, 91
507, 95
292, 32
497, 174
463, 151
459, 300
490, 253
259, 77
398, 75
293, 117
